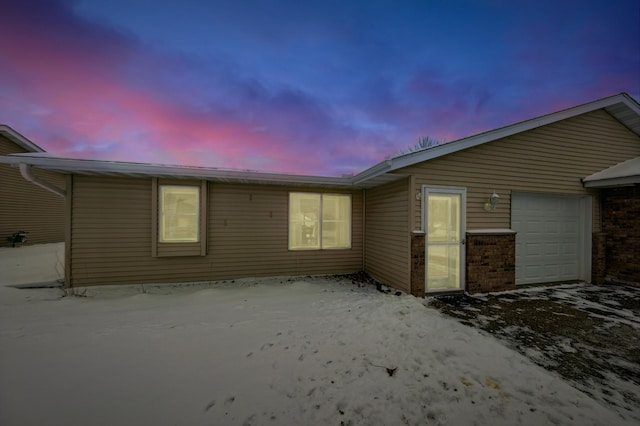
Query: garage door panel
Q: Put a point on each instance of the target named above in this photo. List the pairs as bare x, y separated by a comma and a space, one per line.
548, 237
551, 250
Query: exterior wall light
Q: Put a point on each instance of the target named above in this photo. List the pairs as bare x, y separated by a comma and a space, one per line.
494, 199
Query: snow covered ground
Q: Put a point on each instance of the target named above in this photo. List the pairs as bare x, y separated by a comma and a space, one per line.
280, 351
588, 334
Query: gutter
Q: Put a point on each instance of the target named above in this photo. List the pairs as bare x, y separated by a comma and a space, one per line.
25, 171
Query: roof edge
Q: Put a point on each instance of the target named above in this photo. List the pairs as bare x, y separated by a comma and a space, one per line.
102, 167
613, 182
412, 158
19, 139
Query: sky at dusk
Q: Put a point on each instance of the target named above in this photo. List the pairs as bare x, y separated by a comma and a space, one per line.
325, 87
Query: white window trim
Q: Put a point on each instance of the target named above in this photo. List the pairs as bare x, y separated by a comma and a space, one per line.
169, 248
320, 222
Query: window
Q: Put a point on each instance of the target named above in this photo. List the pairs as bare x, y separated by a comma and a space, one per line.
179, 209
319, 221
178, 217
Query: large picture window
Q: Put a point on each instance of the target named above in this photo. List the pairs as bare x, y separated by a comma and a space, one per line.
179, 210
319, 221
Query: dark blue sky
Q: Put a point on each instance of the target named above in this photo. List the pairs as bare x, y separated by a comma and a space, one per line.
325, 87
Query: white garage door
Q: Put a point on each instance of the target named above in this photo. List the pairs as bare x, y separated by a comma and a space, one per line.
549, 240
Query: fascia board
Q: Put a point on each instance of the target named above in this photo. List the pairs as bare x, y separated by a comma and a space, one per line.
613, 182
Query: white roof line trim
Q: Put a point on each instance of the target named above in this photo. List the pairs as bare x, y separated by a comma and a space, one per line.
113, 167
608, 183
481, 138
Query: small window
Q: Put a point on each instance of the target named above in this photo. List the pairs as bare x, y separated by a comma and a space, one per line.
319, 221
178, 217
179, 208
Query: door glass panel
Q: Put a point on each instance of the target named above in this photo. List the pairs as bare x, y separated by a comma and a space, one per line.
443, 218
443, 267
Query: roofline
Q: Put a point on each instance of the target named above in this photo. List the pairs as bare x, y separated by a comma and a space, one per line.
612, 182
625, 173
19, 139
412, 158
373, 176
101, 167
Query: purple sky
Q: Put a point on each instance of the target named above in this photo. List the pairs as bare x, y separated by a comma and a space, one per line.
327, 87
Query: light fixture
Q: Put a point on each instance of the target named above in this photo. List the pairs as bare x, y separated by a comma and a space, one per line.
493, 202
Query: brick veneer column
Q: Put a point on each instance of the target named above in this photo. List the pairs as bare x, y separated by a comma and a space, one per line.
621, 222
491, 260
417, 263
598, 257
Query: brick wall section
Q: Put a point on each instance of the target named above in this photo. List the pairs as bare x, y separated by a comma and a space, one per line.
417, 263
491, 261
621, 223
598, 257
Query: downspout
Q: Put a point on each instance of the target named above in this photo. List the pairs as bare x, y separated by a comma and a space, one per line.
25, 171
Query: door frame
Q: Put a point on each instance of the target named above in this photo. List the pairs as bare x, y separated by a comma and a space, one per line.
424, 195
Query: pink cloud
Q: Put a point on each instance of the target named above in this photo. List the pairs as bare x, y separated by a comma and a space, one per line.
76, 74
77, 87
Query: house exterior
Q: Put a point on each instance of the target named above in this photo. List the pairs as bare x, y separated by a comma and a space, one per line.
23, 205
518, 205
543, 225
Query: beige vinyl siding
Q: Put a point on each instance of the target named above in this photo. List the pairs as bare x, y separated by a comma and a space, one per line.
27, 207
550, 159
247, 236
388, 234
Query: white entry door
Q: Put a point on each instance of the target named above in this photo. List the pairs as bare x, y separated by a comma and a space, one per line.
444, 224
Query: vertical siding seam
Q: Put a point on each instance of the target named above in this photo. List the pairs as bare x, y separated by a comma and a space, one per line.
68, 234
411, 202
154, 217
203, 218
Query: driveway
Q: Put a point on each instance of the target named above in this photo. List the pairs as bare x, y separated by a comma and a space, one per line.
589, 335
